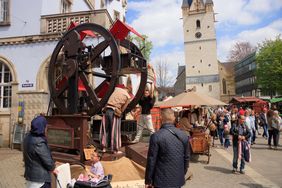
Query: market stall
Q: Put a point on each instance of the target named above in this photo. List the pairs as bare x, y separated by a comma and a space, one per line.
194, 106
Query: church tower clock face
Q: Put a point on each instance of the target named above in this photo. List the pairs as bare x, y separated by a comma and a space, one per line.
198, 35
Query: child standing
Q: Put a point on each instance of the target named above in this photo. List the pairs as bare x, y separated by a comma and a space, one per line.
226, 134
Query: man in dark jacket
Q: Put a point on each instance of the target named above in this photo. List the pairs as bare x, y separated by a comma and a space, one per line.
37, 156
264, 122
168, 155
240, 133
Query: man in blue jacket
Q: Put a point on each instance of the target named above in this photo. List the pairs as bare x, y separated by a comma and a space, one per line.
168, 155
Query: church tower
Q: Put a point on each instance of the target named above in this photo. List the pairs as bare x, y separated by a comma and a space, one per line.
202, 72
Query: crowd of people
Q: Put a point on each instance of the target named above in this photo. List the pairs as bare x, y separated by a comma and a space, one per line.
238, 127
268, 120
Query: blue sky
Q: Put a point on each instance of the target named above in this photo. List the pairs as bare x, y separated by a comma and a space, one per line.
237, 21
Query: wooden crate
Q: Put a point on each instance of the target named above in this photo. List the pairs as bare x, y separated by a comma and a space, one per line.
199, 144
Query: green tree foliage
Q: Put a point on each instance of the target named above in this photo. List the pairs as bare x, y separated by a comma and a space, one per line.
143, 44
269, 66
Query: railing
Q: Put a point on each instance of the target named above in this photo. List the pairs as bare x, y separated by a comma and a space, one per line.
59, 23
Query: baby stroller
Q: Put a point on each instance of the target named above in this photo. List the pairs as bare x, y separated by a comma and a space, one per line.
104, 183
63, 179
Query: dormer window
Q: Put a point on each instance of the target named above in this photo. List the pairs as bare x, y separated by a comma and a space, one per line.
198, 24
65, 6
116, 15
4, 12
102, 4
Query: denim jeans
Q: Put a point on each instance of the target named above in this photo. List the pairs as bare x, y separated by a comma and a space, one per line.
235, 158
265, 131
254, 136
251, 137
220, 135
226, 143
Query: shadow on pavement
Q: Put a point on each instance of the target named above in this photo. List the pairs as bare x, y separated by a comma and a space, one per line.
219, 169
259, 148
252, 185
199, 158
261, 144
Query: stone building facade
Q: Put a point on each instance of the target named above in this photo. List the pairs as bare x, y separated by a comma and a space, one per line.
227, 81
202, 71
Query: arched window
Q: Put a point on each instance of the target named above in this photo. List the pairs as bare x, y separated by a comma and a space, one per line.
210, 88
198, 24
224, 86
5, 86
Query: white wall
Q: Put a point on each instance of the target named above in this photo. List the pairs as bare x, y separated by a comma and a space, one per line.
27, 60
24, 18
54, 6
115, 5
79, 5
50, 7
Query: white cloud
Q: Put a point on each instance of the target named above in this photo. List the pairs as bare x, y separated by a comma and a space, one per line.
244, 12
173, 59
232, 11
263, 6
254, 36
159, 20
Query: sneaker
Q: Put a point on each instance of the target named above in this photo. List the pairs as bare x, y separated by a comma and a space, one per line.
133, 142
104, 150
275, 148
117, 152
234, 170
269, 147
242, 172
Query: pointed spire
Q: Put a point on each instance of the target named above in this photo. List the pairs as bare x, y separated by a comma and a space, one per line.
186, 3
197, 5
209, 2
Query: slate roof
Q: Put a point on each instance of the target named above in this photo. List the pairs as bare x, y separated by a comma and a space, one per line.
186, 3
209, 2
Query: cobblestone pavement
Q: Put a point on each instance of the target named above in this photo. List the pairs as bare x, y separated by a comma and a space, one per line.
11, 169
263, 172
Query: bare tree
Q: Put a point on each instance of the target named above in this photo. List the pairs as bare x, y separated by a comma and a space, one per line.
163, 78
240, 50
